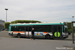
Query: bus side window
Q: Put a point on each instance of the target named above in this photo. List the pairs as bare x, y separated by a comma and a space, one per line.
20, 28
24, 28
27, 28
30, 28
47, 28
13, 28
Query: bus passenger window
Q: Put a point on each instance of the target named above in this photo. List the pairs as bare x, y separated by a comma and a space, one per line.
21, 28
27, 28
30, 28
13, 28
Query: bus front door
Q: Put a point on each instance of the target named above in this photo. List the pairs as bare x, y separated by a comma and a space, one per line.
57, 30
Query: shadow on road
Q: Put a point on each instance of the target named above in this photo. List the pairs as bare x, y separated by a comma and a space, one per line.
68, 39
46, 39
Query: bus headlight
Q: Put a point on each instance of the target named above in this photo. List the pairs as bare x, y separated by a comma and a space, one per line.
51, 34
63, 33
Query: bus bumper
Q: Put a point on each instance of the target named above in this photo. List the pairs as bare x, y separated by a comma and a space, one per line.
66, 36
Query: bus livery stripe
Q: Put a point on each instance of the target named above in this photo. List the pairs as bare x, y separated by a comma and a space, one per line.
15, 31
45, 32
21, 32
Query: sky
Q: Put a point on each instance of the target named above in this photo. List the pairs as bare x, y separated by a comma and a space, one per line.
41, 10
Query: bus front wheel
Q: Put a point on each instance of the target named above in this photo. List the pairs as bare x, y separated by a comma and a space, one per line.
47, 36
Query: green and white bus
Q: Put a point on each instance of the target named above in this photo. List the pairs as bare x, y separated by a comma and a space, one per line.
41, 30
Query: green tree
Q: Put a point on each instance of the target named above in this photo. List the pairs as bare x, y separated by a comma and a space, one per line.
25, 21
69, 25
6, 25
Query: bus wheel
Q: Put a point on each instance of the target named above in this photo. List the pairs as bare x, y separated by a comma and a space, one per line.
12, 34
19, 36
47, 36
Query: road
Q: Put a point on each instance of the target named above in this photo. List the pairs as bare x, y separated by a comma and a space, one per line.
9, 43
4, 34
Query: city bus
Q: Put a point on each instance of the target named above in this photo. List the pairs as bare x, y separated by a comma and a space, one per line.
41, 30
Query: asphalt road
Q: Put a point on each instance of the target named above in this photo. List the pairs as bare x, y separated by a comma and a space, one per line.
4, 34
9, 43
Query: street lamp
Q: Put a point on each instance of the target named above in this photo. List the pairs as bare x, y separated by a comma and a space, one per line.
73, 18
6, 13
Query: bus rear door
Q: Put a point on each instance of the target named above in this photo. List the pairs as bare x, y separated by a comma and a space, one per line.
28, 31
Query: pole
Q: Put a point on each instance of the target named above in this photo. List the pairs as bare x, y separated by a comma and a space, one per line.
6, 13
72, 33
73, 18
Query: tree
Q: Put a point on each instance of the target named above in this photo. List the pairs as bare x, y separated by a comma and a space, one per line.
25, 21
69, 25
6, 25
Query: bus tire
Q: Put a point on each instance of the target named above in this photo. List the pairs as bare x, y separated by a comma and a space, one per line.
19, 36
12, 34
47, 36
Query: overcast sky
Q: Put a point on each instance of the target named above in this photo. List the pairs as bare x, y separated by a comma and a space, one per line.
42, 10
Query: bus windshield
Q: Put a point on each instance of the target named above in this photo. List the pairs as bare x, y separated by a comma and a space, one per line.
65, 28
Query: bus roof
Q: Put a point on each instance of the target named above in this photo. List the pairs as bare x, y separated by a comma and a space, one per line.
27, 24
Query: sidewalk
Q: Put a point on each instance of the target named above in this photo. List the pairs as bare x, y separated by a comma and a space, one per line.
70, 46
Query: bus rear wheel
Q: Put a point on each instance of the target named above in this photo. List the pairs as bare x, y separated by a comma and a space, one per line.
19, 36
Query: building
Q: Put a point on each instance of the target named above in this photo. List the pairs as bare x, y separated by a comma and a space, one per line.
2, 24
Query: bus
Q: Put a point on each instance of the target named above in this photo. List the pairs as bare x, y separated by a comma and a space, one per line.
41, 30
